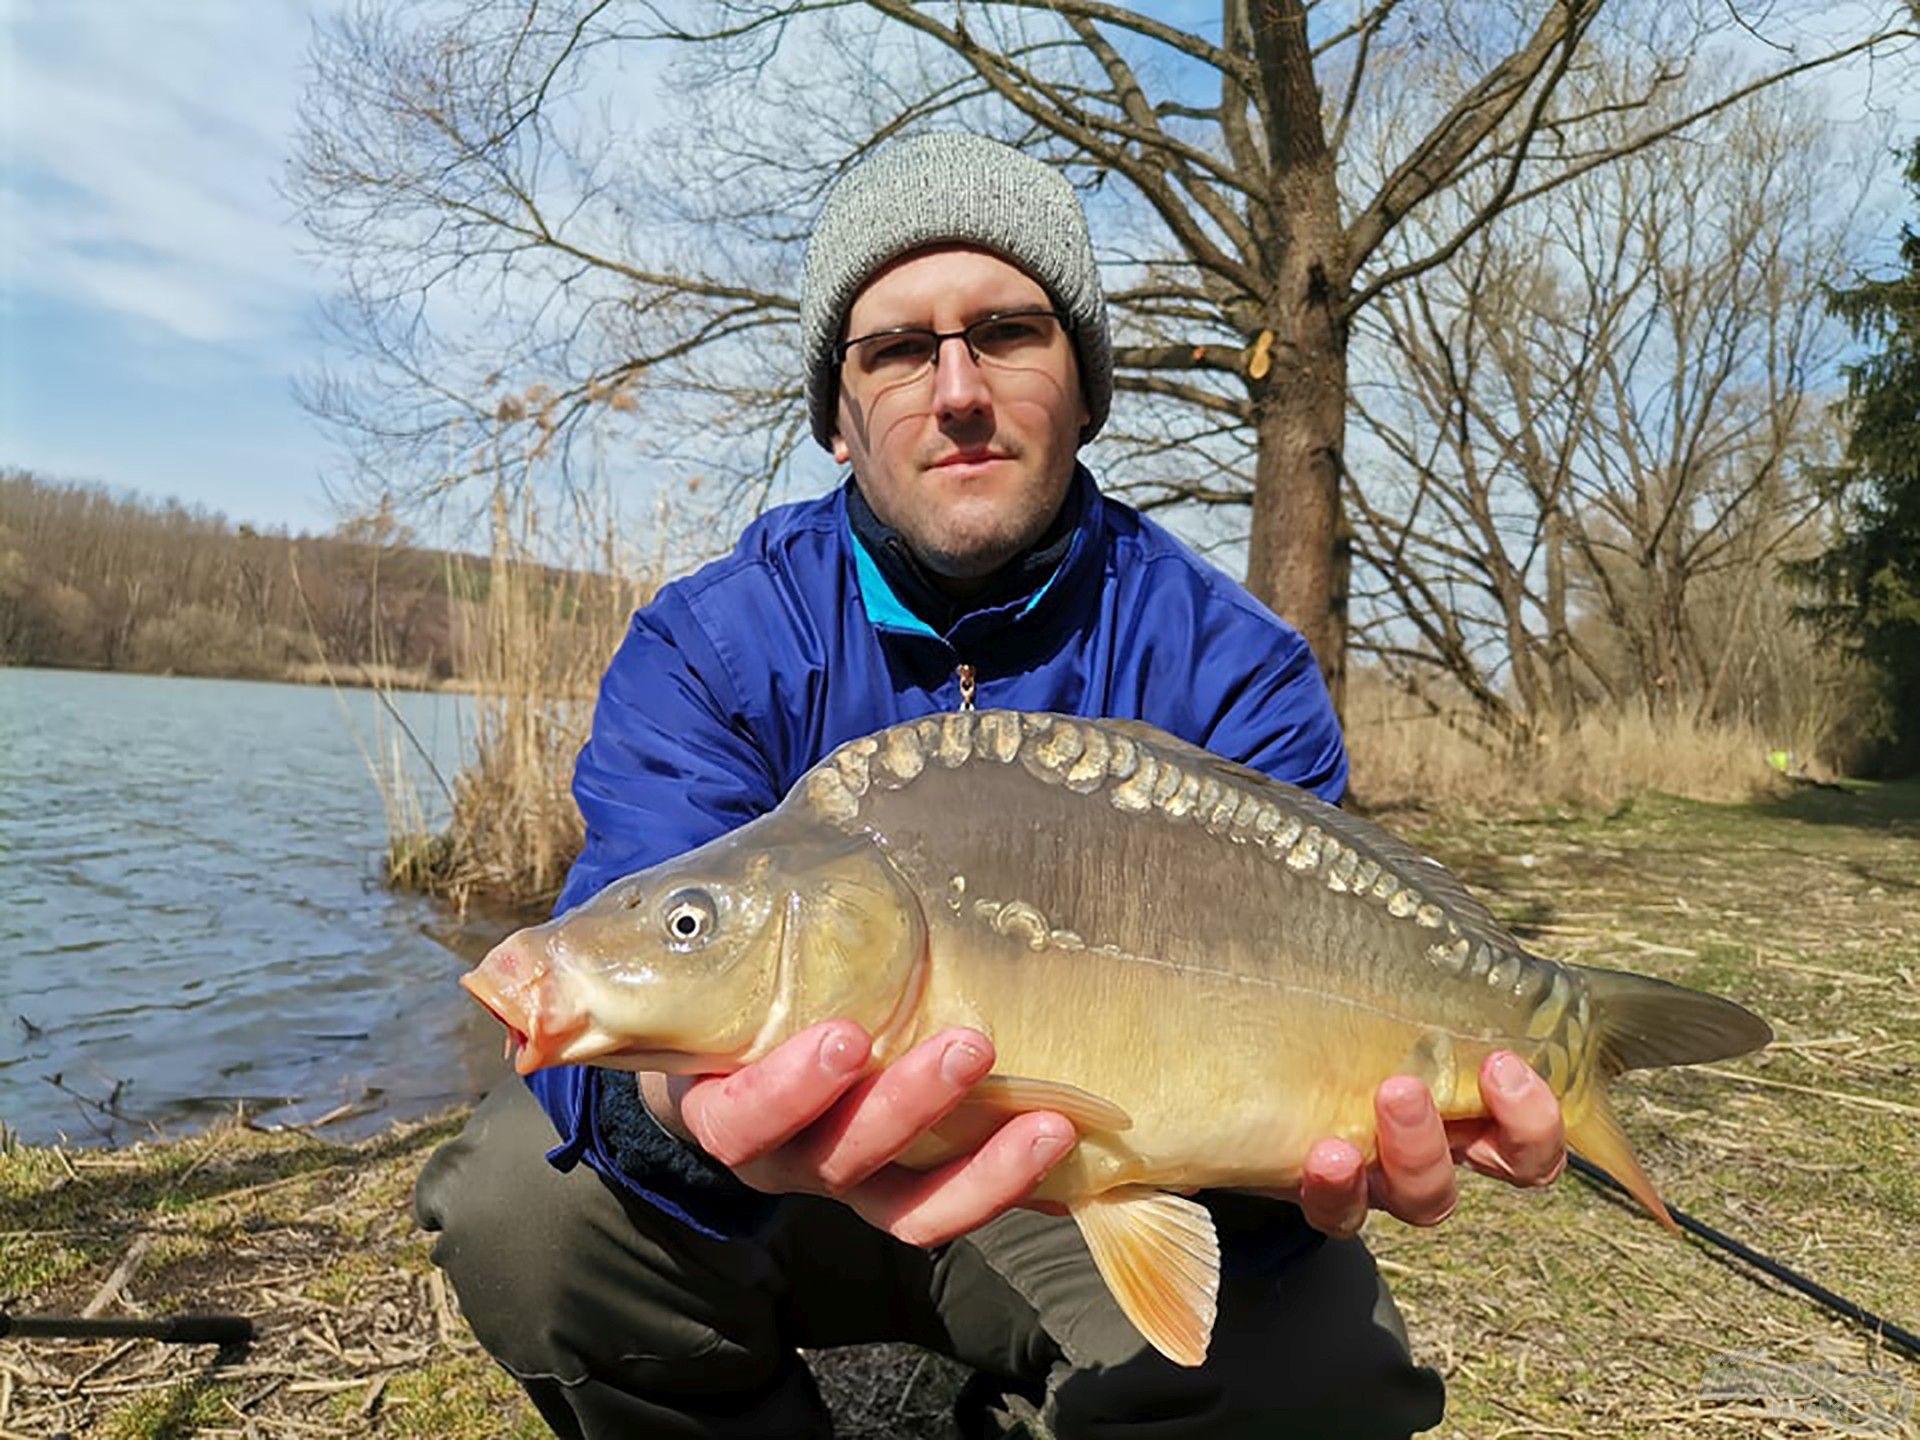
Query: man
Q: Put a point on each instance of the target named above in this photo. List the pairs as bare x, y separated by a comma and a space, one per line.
957, 358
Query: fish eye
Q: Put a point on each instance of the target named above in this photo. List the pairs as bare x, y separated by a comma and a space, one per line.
689, 916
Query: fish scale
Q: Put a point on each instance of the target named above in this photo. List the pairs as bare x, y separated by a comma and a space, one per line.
1154, 777
1204, 969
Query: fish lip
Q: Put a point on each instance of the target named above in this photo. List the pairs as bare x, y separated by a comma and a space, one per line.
538, 1040
483, 989
541, 1048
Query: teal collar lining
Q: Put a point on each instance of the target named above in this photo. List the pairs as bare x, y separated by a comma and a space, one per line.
884, 608
888, 611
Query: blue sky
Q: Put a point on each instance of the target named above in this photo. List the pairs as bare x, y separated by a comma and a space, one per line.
155, 302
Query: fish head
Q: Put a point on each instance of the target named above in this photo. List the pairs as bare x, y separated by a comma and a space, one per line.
703, 963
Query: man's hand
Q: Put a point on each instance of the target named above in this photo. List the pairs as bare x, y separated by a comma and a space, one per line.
1521, 1141
807, 1118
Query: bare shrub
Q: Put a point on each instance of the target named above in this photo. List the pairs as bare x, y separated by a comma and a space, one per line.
199, 640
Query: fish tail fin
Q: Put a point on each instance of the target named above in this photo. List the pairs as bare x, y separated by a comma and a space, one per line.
1594, 1130
1643, 1023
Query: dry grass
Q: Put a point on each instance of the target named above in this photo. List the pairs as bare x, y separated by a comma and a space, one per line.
1567, 1313
358, 1334
1550, 1313
1406, 758
312, 1240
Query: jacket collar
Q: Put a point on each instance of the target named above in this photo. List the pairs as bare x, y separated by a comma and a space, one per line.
900, 596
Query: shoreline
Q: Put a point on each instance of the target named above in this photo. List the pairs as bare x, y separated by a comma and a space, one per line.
312, 673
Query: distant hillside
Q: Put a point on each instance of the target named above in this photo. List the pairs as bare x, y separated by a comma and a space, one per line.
93, 580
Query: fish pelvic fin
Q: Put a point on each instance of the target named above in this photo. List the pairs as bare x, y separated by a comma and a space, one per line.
1645, 1023
1594, 1130
1160, 1257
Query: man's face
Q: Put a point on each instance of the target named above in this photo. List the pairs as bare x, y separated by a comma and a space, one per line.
969, 461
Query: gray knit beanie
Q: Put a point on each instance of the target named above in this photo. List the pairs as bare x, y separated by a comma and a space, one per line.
951, 187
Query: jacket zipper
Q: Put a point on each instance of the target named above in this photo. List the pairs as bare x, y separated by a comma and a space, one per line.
965, 674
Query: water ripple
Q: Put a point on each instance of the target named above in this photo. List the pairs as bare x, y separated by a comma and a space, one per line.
192, 917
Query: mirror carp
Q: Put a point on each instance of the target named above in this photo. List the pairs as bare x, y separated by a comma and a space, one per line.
1205, 969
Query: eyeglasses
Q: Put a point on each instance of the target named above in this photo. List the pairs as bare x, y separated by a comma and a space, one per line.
1015, 339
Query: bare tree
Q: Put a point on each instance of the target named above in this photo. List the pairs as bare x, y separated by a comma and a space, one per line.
1588, 422
515, 249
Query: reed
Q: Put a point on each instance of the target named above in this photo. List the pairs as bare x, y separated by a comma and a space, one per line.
383, 676
537, 641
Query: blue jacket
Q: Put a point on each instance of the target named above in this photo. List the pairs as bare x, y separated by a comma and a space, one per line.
737, 679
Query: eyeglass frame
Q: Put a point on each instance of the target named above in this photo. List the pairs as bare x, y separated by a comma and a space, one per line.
842, 348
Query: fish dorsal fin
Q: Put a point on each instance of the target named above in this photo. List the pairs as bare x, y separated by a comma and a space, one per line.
1017, 1094
1428, 875
1161, 1259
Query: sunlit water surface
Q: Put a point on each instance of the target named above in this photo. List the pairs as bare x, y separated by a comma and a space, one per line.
192, 919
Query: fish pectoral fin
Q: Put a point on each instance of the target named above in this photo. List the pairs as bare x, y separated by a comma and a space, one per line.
1015, 1095
1161, 1259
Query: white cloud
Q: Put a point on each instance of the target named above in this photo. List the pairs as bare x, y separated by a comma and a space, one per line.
142, 143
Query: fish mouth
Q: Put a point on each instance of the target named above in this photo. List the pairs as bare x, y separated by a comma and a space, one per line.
536, 1037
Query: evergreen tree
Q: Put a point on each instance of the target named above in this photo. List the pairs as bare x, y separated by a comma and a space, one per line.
1868, 583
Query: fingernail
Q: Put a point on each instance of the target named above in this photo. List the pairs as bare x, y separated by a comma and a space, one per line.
963, 1063
842, 1053
1048, 1148
1510, 1074
1333, 1162
1409, 1107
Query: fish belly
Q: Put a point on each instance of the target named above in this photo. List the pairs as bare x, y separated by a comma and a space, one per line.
1227, 1083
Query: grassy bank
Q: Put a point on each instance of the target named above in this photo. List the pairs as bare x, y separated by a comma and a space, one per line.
1557, 1313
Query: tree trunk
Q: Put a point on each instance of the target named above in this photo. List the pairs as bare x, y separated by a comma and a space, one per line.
1297, 367
1300, 421
1559, 652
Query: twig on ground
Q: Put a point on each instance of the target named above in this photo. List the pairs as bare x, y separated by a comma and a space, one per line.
1844, 1097
117, 1281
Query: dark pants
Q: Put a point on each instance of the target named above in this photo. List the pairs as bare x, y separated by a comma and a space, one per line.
623, 1322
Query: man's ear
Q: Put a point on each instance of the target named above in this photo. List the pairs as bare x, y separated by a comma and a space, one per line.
841, 455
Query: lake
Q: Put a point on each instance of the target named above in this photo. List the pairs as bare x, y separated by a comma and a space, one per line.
192, 918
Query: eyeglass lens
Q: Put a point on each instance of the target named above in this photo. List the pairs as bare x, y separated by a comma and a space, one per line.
1002, 340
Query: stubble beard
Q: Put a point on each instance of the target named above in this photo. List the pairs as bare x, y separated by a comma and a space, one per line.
970, 548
